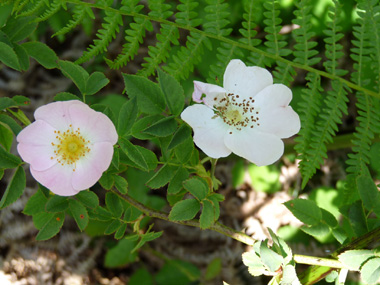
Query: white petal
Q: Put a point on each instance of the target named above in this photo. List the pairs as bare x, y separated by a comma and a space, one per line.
213, 93
57, 179
273, 96
245, 81
89, 169
95, 126
56, 114
284, 122
257, 147
209, 132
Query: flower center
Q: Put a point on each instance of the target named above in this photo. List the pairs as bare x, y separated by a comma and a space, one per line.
69, 147
237, 113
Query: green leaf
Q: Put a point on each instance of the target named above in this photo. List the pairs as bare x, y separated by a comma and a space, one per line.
173, 92
40, 219
184, 210
42, 53
127, 117
14, 189
22, 56
57, 204
149, 95
270, 258
95, 82
289, 275
175, 185
141, 276
101, 214
354, 259
162, 128
19, 28
114, 204
121, 231
143, 123
370, 271
113, 227
52, 227
357, 218
305, 210
65, 96
197, 186
6, 137
213, 269
253, 262
184, 150
107, 180
88, 198
121, 254
6, 102
182, 134
121, 184
8, 56
35, 204
146, 238
369, 193
79, 213
207, 218
329, 218
317, 230
133, 154
161, 177
76, 73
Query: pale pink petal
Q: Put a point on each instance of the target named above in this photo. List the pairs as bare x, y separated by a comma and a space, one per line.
276, 95
281, 121
212, 93
56, 113
257, 147
94, 126
57, 179
89, 169
245, 81
37, 133
209, 130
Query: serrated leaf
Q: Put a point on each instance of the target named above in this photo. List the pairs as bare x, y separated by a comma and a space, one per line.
133, 154
88, 198
270, 258
121, 231
175, 185
146, 238
305, 210
173, 92
57, 204
15, 188
107, 180
18, 28
329, 218
207, 218
184, 150
289, 276
101, 214
22, 55
120, 254
8, 56
368, 193
79, 213
162, 128
149, 95
121, 184
114, 204
40, 219
161, 177
65, 96
184, 210
370, 271
318, 230
95, 82
213, 269
43, 54
6, 137
280, 246
52, 227
76, 73
183, 133
197, 187
254, 263
113, 227
354, 259
8, 160
35, 204
127, 117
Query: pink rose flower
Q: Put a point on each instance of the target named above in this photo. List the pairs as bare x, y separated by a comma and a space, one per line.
249, 115
68, 147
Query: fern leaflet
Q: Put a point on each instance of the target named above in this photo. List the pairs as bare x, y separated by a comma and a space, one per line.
53, 8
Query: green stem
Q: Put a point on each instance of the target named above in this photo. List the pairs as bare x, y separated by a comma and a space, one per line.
233, 43
20, 116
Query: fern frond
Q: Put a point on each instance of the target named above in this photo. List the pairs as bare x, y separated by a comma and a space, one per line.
168, 35
284, 73
18, 5
112, 22
79, 13
134, 35
274, 43
333, 48
327, 126
52, 9
33, 8
185, 15
303, 49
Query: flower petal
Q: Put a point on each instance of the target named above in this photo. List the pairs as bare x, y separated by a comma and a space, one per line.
284, 122
209, 132
94, 125
34, 145
57, 113
276, 95
89, 169
212, 92
57, 179
257, 147
245, 81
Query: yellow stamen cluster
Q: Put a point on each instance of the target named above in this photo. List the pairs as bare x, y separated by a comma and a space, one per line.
69, 147
237, 113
